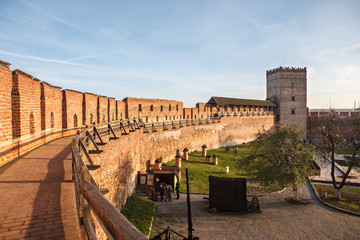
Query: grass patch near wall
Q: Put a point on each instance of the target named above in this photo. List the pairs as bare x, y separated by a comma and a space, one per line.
199, 170
139, 211
350, 197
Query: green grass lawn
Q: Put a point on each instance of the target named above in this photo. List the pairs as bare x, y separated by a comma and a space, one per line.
350, 197
139, 211
199, 171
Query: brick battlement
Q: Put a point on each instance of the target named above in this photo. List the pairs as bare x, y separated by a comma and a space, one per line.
4, 64
286, 69
48, 84
17, 71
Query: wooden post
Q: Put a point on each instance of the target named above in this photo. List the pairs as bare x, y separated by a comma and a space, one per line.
215, 159
208, 157
203, 150
178, 160
186, 154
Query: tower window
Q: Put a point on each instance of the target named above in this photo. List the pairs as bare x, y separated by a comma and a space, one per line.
292, 98
140, 108
293, 111
161, 108
151, 108
169, 107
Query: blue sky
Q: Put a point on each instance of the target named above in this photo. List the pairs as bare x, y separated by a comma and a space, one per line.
185, 50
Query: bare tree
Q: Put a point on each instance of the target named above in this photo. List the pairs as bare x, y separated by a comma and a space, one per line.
337, 133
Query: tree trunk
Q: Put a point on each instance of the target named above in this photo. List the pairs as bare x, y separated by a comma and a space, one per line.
296, 194
338, 193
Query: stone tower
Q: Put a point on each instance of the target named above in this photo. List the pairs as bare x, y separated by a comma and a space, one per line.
286, 87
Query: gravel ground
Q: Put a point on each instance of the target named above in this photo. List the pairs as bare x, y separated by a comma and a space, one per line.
278, 220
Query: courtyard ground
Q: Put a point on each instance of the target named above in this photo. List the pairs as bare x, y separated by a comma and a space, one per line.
278, 220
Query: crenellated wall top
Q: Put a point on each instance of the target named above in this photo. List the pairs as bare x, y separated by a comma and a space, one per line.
19, 72
48, 84
70, 90
285, 69
5, 64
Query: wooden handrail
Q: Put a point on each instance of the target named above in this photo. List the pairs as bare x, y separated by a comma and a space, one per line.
117, 225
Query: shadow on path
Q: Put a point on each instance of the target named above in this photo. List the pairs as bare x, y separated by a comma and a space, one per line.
47, 219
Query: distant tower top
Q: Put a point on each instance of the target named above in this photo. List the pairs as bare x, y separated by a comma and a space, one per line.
286, 87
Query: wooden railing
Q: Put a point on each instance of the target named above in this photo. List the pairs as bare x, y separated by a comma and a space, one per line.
89, 197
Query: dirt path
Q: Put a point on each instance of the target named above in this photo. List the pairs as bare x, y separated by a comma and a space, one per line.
37, 199
279, 220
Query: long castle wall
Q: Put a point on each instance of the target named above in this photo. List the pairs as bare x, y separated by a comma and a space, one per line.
123, 158
34, 112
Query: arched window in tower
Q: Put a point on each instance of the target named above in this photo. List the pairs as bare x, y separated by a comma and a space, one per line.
169, 107
52, 120
161, 108
157, 118
75, 120
177, 107
32, 123
140, 108
151, 108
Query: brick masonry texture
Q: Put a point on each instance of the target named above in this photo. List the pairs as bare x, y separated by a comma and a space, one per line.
103, 113
112, 109
153, 110
5, 105
51, 105
120, 109
72, 108
26, 106
89, 108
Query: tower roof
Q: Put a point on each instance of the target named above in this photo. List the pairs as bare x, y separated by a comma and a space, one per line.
240, 102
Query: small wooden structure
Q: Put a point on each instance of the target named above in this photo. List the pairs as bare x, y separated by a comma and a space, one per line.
227, 194
150, 181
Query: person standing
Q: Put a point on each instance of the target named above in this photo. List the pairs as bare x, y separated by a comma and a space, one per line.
169, 192
162, 191
177, 187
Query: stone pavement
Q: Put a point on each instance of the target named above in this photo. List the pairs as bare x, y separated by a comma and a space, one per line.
279, 220
37, 199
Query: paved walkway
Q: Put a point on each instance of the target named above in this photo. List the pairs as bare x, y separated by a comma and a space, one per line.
37, 199
279, 220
